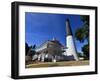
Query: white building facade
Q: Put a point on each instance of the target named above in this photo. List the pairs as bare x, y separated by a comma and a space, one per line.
53, 50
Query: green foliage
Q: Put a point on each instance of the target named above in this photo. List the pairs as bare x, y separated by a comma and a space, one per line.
79, 34
85, 19
26, 48
85, 50
79, 54
82, 34
29, 50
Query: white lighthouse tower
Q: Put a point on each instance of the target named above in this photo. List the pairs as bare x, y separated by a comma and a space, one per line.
71, 49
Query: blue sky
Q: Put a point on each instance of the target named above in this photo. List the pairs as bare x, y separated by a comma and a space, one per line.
40, 27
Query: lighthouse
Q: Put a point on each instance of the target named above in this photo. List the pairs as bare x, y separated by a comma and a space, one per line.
71, 49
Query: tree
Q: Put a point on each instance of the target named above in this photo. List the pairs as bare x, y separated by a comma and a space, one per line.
85, 50
85, 19
79, 54
26, 48
82, 34
31, 50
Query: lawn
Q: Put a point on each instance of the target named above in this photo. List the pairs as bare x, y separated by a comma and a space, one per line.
56, 64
